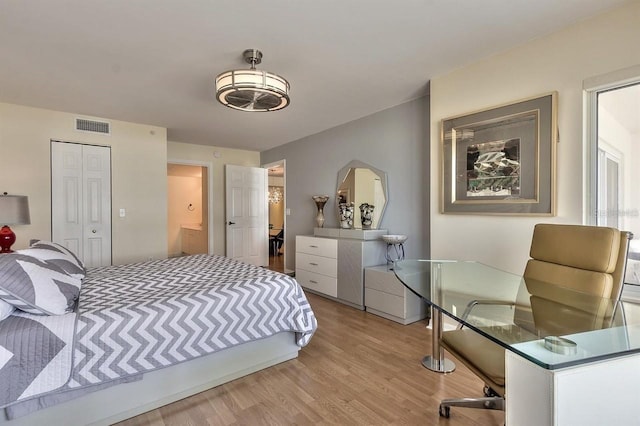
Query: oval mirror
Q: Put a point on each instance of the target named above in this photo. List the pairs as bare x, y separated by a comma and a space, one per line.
361, 196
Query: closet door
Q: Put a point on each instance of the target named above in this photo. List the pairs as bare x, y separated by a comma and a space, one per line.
81, 200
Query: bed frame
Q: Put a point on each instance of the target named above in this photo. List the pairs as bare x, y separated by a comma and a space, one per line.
162, 387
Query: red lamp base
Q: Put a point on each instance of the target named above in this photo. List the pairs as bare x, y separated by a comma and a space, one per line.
7, 238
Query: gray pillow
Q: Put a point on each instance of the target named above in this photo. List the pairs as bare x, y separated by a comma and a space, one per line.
37, 286
58, 255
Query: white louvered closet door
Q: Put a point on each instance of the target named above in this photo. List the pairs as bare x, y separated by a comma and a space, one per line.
81, 200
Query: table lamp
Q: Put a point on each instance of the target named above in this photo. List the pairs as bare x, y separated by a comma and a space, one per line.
14, 210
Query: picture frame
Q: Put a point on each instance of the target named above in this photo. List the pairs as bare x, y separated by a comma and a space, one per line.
501, 160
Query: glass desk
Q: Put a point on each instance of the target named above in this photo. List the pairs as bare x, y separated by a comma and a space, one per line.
518, 314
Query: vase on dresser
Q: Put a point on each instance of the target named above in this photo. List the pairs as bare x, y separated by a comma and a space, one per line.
345, 213
366, 215
320, 201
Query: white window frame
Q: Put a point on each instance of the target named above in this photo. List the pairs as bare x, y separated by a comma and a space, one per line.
591, 87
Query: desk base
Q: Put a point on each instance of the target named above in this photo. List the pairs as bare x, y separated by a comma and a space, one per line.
439, 366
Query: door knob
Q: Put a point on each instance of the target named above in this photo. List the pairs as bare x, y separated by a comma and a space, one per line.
232, 223
93, 231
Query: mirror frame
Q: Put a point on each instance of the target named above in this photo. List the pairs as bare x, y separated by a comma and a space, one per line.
356, 164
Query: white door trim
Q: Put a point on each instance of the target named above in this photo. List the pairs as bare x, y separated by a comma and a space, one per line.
284, 202
209, 166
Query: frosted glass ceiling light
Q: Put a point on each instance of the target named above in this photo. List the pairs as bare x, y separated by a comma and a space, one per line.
252, 89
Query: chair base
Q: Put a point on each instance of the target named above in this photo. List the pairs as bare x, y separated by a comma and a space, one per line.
487, 403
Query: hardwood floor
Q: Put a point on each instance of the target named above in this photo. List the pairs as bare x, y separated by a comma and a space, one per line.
358, 369
276, 263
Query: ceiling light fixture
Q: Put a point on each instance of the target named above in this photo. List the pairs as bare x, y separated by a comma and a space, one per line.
275, 194
252, 90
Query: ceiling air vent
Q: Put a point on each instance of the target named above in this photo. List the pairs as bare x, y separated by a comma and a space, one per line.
103, 127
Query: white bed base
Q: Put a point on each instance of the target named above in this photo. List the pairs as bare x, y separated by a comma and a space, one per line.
164, 386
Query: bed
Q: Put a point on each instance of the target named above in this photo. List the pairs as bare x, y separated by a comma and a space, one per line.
138, 336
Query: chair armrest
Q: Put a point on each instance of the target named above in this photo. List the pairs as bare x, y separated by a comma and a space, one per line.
474, 303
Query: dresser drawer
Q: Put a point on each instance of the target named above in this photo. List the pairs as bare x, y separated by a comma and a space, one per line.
326, 247
317, 282
317, 264
385, 302
382, 279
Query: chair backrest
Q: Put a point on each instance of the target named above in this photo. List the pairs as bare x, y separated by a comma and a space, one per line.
588, 259
582, 258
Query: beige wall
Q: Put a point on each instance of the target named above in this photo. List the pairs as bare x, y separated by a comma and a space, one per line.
560, 62
138, 169
177, 151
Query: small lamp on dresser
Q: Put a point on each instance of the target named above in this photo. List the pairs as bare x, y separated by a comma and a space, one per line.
14, 210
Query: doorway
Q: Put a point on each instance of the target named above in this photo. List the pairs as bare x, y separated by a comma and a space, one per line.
277, 216
187, 209
614, 169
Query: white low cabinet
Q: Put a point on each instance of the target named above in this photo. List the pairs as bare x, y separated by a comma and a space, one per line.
334, 267
386, 296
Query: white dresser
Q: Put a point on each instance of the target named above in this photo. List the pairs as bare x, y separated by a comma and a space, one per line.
334, 267
317, 264
387, 297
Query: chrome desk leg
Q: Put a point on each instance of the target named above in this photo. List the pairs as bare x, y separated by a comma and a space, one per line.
436, 361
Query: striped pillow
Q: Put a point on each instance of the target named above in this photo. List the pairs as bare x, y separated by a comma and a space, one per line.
37, 286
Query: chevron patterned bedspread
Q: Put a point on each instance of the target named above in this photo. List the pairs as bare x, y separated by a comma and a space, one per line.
140, 317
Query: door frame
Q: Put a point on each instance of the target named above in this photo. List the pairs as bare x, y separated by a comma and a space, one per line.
209, 166
284, 201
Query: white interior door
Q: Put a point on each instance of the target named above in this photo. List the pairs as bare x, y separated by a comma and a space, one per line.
246, 214
81, 200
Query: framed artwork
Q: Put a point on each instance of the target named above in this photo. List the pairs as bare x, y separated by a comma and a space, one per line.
501, 160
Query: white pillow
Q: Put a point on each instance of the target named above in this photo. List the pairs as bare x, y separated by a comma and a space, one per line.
5, 309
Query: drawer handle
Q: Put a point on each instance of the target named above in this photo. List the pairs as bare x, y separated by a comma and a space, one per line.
313, 282
313, 246
313, 264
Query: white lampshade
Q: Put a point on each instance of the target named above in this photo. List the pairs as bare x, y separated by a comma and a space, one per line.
14, 210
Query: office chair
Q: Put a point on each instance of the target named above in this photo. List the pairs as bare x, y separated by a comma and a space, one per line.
588, 259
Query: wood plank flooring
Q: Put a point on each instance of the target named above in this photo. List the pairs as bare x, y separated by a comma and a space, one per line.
358, 369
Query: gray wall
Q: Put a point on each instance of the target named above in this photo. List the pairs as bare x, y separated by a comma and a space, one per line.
395, 140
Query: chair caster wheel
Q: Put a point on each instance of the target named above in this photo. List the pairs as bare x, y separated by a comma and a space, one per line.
444, 412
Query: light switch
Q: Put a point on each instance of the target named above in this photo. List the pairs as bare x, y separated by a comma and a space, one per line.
123, 213
288, 212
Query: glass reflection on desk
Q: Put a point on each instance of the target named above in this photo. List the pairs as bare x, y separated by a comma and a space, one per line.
517, 313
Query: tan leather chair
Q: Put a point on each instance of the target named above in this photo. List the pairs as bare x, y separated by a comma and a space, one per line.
589, 259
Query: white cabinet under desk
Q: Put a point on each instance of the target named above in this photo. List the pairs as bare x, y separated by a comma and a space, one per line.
334, 267
386, 296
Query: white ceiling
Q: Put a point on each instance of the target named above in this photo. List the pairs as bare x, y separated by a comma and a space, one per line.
154, 61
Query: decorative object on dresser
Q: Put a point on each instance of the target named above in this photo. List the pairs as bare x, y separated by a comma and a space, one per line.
346, 215
360, 184
320, 201
385, 296
366, 215
395, 242
14, 210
